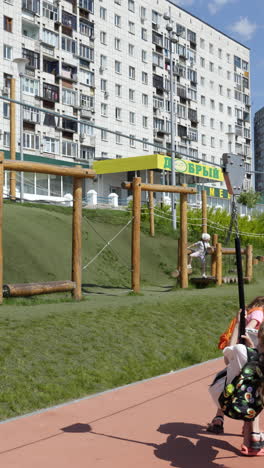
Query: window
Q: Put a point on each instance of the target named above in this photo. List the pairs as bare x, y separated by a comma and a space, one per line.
228, 58
212, 142
145, 144
203, 120
50, 11
211, 48
50, 38
132, 118
132, 142
8, 24
131, 73
87, 102
103, 13
221, 144
103, 84
145, 99
202, 80
118, 90
244, 65
211, 84
202, 43
228, 75
8, 52
220, 71
30, 141
131, 49
87, 52
211, 66
86, 29
68, 44
237, 61
131, 27
202, 62
212, 104
131, 5
220, 53
211, 123
118, 113
69, 149
221, 125
131, 95
117, 66
103, 37
203, 100
203, 140
87, 5
30, 86
144, 78
103, 62
6, 139
51, 145
144, 34
86, 129
145, 121
104, 109
86, 77
117, 43
228, 93
68, 97
87, 152
118, 138
144, 56
143, 13
118, 21
229, 110
6, 110
104, 135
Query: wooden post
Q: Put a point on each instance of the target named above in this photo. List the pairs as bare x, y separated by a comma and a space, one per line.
249, 262
135, 252
213, 257
204, 211
1, 223
77, 238
12, 138
183, 241
219, 266
151, 206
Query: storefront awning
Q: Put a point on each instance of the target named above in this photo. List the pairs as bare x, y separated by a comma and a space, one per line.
157, 161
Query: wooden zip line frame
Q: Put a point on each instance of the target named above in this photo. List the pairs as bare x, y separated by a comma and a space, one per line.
78, 174
137, 186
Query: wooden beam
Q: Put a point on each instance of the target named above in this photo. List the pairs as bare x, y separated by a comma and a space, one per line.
32, 289
135, 252
13, 137
160, 188
1, 223
77, 238
25, 166
151, 206
219, 265
183, 241
213, 258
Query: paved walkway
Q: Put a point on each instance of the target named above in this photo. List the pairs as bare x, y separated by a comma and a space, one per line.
155, 423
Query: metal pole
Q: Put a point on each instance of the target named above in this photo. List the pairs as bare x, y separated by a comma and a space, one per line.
21, 139
173, 207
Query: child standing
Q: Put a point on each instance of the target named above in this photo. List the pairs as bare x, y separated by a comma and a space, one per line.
201, 249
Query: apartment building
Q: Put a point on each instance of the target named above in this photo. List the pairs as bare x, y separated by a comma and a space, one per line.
106, 63
259, 149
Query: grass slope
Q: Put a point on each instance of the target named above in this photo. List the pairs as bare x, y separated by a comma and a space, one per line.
52, 352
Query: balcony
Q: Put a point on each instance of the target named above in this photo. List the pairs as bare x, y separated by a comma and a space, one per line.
33, 59
181, 92
68, 73
67, 125
192, 116
51, 93
31, 6
86, 113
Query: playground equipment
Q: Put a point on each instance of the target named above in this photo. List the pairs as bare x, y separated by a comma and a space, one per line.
75, 284
136, 186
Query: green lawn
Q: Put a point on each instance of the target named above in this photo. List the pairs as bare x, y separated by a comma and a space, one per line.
53, 349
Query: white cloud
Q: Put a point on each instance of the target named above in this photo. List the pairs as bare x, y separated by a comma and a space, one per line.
244, 28
216, 5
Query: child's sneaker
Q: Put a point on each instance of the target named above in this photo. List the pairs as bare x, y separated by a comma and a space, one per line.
204, 275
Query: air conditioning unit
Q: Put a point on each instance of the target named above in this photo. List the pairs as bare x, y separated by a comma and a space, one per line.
5, 91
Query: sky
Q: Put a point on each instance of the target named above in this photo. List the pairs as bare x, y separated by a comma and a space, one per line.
243, 20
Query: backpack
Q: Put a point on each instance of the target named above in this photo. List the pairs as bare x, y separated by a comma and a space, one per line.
241, 398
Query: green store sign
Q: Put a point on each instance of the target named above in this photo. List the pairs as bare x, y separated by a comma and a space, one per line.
191, 168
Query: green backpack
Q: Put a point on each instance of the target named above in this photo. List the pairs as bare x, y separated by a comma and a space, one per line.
241, 398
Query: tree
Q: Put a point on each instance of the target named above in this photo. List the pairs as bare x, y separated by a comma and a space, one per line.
249, 199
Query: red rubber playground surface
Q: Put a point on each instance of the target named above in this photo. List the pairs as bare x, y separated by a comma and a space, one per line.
156, 423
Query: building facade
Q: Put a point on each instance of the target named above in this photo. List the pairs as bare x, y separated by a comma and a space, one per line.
106, 64
259, 149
